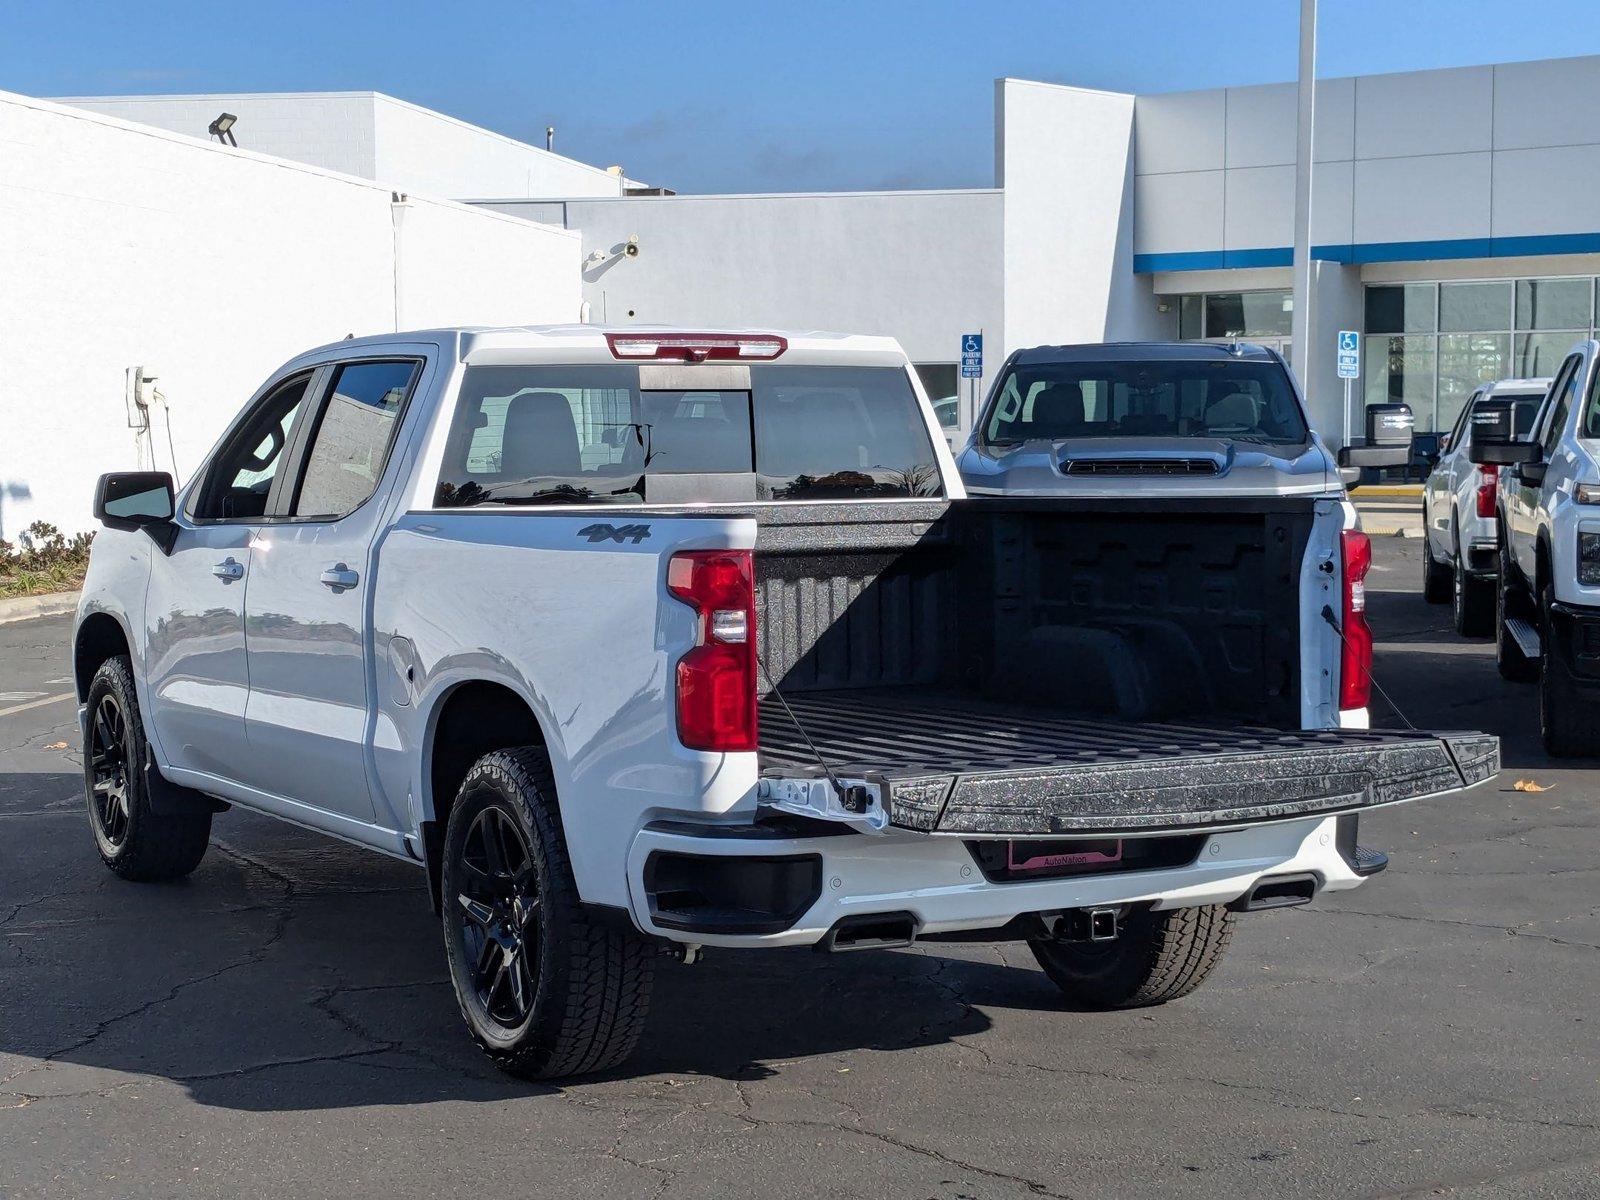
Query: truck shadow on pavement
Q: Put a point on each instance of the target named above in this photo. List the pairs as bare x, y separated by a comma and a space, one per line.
291, 973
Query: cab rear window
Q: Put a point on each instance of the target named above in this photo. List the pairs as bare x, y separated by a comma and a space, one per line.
548, 435
1229, 399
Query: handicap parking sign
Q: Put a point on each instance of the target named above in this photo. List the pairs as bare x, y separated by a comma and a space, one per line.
1349, 354
972, 356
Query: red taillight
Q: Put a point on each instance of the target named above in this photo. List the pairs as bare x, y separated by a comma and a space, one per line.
1355, 656
717, 679
698, 347
1486, 479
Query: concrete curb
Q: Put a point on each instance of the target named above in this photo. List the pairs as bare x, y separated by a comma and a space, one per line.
26, 608
1399, 531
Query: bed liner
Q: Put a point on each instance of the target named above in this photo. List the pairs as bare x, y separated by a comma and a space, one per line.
954, 763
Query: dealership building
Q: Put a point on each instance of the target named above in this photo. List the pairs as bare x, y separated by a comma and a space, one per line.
1455, 223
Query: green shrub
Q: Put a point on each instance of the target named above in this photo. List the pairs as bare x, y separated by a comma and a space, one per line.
46, 560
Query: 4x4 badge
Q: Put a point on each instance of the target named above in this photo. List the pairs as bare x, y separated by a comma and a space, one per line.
615, 533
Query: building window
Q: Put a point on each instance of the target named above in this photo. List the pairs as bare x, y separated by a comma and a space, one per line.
1225, 315
1430, 345
943, 386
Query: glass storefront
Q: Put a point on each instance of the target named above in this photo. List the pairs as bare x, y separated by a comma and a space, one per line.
1431, 344
1217, 315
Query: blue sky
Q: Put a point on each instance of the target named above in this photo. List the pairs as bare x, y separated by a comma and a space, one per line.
752, 96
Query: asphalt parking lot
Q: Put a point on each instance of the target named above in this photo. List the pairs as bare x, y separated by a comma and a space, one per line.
280, 1025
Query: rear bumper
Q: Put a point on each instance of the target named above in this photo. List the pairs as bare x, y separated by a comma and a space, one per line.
939, 883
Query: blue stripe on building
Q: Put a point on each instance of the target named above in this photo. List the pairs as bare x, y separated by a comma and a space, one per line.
1374, 252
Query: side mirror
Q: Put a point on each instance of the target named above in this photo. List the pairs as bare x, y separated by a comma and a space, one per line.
1502, 451
1531, 472
137, 500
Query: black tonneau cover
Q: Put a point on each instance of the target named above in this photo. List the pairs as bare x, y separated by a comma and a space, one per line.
953, 763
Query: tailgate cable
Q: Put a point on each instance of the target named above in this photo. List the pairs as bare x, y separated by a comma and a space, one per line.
1333, 623
852, 798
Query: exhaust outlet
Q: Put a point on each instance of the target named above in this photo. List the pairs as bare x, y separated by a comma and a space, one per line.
870, 931
1278, 891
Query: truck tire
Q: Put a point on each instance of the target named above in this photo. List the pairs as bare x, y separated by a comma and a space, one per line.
546, 992
1435, 574
1510, 602
1158, 956
1569, 719
134, 841
1472, 599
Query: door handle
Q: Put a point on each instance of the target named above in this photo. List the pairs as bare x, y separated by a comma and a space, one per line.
339, 577
228, 569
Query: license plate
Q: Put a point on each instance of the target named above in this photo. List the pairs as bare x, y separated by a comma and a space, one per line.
1027, 857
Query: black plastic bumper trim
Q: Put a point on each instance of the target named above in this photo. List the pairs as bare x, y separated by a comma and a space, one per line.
730, 893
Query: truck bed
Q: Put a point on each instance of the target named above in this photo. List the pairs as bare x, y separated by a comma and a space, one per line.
957, 763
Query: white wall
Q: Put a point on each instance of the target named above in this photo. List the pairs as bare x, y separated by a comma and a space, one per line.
125, 245
1064, 159
333, 130
431, 152
1498, 152
374, 136
924, 267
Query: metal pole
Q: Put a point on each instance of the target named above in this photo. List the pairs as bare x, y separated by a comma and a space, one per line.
1301, 325
1346, 441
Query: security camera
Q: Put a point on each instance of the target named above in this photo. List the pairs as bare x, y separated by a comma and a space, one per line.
632, 248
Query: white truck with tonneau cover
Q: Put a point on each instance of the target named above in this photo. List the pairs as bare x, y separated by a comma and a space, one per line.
640, 641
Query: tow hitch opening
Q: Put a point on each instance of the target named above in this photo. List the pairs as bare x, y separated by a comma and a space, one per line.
1087, 925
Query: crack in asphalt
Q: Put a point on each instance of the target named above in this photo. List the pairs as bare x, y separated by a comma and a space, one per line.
859, 1129
250, 958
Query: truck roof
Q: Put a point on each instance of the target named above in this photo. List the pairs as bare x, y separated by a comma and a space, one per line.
503, 342
1502, 387
1145, 351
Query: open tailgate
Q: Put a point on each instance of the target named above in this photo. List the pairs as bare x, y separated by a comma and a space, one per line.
957, 765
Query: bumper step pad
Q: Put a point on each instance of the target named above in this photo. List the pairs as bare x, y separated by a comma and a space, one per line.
959, 765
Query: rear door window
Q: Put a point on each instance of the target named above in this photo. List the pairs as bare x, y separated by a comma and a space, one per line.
353, 435
589, 434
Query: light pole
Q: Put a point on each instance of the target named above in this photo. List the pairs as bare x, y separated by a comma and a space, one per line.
1300, 327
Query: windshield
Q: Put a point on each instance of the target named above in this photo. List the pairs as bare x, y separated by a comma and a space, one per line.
1226, 398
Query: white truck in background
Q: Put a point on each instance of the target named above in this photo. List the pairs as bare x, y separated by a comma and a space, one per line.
641, 641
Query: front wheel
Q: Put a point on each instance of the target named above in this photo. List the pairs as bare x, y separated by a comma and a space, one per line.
1435, 574
546, 992
1158, 956
134, 840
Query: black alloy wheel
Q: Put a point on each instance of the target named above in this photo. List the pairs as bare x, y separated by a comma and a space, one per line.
109, 768
498, 919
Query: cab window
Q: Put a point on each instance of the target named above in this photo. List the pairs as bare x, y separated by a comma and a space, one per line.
354, 432
240, 481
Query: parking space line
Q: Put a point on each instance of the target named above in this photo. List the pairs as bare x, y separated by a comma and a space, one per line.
40, 703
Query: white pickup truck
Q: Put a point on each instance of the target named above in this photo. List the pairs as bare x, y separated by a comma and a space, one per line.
641, 641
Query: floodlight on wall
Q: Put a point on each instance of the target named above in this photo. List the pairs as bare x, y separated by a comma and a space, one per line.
222, 129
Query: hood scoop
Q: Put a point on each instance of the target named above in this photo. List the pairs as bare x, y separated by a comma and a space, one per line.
1140, 466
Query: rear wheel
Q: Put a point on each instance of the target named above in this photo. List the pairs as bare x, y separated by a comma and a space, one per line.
1435, 574
1472, 598
134, 841
1158, 956
545, 991
1569, 719
1510, 601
